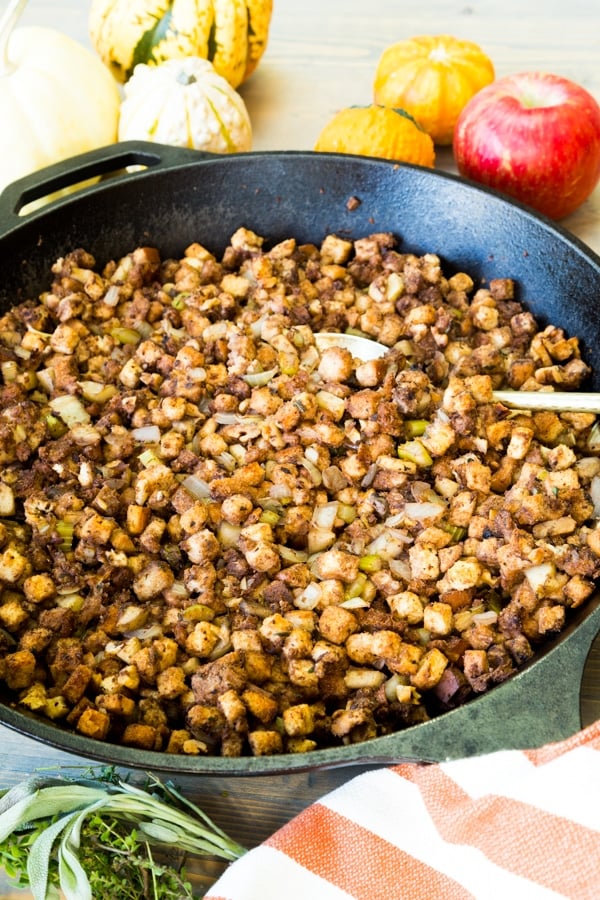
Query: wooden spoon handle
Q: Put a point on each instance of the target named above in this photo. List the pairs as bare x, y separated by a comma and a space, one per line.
557, 401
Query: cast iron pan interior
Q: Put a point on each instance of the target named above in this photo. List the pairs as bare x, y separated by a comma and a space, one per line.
182, 196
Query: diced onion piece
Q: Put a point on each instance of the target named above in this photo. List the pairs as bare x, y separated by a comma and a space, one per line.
309, 597
334, 479
7, 500
229, 535
356, 588
462, 619
594, 437
325, 515
259, 379
222, 647
198, 612
72, 601
227, 460
147, 434
124, 335
388, 545
224, 418
392, 685
45, 379
310, 358
288, 554
595, 495
96, 392
354, 603
331, 403
280, 492
538, 575
132, 617
489, 617
400, 568
111, 297
9, 371
147, 632
312, 470
346, 512
423, 493
319, 539
70, 409
356, 678
418, 512
197, 487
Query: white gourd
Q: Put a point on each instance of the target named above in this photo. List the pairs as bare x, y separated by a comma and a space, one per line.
57, 99
184, 103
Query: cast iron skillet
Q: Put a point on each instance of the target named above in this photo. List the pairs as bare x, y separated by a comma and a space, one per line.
182, 196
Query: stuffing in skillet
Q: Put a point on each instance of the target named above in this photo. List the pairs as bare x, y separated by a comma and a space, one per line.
215, 539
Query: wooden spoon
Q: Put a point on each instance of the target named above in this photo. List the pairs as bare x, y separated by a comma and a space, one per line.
556, 401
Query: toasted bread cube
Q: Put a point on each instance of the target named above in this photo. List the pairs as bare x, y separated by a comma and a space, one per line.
431, 669
145, 737
265, 743
116, 705
336, 624
38, 588
299, 719
300, 745
12, 565
34, 697
19, 669
171, 682
233, 709
94, 723
260, 704
438, 618
302, 673
407, 605
76, 684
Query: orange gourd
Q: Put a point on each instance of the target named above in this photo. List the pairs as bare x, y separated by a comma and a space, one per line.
377, 131
433, 78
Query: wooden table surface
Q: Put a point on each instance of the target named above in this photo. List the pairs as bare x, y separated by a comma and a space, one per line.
322, 56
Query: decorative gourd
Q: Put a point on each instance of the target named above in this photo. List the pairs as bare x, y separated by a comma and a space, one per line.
433, 77
232, 34
56, 98
377, 130
184, 102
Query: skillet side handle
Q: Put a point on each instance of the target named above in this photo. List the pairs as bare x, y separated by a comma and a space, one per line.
112, 160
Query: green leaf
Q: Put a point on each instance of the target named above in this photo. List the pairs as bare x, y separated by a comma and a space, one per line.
38, 863
48, 801
74, 882
145, 47
160, 832
26, 789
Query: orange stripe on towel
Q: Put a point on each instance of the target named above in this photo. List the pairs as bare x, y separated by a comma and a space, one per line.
589, 737
518, 837
320, 839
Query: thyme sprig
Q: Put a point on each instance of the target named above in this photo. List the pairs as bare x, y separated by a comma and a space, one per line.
91, 837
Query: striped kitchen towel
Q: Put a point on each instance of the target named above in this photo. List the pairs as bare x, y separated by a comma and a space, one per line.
523, 825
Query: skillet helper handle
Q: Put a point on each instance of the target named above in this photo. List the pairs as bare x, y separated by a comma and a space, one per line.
112, 160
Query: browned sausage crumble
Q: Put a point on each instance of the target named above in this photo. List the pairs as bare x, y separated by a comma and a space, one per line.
215, 539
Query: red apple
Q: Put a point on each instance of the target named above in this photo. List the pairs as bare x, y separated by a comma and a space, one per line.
534, 136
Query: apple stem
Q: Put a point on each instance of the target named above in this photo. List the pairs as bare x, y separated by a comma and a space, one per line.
8, 21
